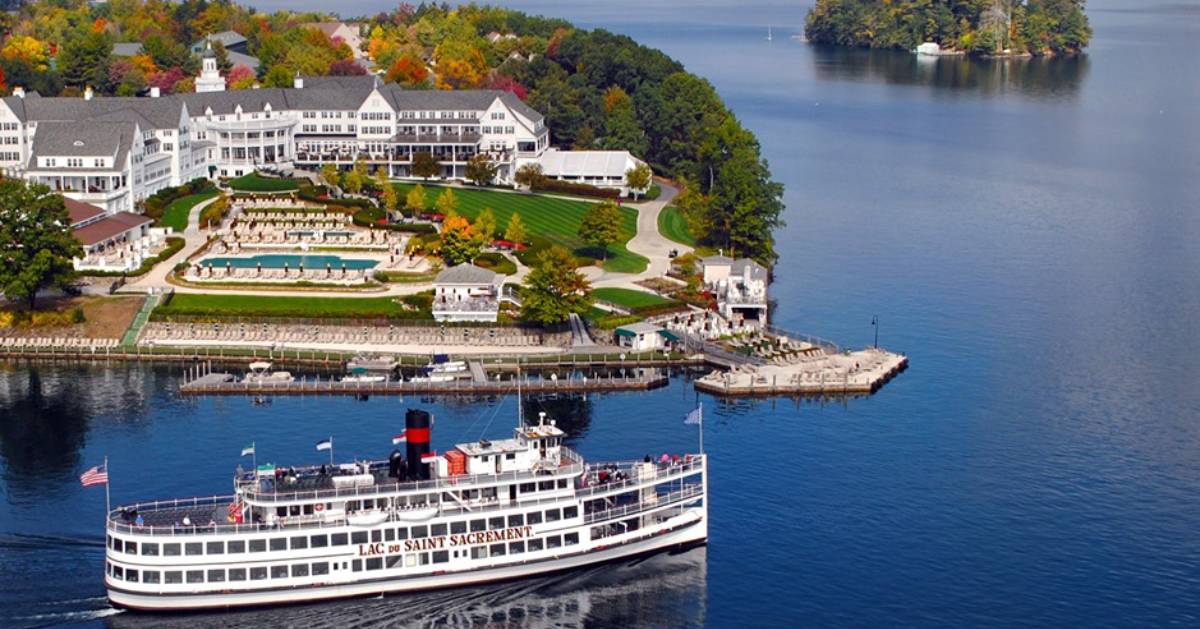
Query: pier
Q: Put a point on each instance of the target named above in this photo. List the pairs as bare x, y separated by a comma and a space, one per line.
848, 373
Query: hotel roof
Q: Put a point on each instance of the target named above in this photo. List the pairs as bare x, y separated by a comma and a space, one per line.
81, 212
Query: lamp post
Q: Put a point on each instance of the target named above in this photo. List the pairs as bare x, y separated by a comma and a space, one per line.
875, 324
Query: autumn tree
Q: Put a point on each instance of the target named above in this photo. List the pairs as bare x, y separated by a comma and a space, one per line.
529, 175
601, 226
515, 232
330, 175
485, 226
638, 179
415, 200
481, 170
459, 243
424, 165
388, 195
240, 77
354, 180
446, 203
36, 243
408, 70
554, 289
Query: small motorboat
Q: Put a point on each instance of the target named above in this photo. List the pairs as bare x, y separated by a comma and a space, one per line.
260, 373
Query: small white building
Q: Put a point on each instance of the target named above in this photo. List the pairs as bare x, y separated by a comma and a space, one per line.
644, 337
118, 241
603, 169
466, 293
740, 288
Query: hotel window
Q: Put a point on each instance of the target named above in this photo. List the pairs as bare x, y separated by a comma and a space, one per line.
195, 576
237, 547
171, 550
216, 576
535, 545
258, 545
150, 549
339, 539
173, 576
300, 570
193, 548
215, 548
278, 543
534, 518
151, 576
299, 542
237, 574
258, 574
279, 572
478, 525
319, 541
321, 568
358, 537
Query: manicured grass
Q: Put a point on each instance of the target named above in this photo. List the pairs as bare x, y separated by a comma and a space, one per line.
217, 306
496, 262
628, 298
557, 220
176, 214
674, 227
255, 182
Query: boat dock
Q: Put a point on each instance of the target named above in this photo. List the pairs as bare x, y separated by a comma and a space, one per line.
220, 383
861, 372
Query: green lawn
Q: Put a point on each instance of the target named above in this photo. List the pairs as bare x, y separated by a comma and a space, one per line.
217, 306
255, 182
628, 298
176, 214
557, 220
674, 227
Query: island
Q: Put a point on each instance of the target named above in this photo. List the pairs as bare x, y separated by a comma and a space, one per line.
992, 28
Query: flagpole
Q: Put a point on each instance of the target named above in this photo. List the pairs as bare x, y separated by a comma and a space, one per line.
254, 457
701, 428
107, 501
331, 451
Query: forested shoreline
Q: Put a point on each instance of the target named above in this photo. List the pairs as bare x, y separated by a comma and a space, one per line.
984, 27
596, 89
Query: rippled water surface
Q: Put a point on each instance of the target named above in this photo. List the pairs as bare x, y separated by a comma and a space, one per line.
1026, 231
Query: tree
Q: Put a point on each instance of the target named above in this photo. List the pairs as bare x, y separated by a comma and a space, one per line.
408, 70
424, 165
415, 200
346, 67
84, 62
744, 205
240, 77
460, 244
223, 62
36, 243
515, 232
447, 203
622, 130
388, 195
638, 179
330, 175
554, 289
601, 226
529, 175
481, 170
485, 226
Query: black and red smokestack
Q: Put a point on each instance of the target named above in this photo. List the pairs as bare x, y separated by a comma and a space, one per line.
416, 429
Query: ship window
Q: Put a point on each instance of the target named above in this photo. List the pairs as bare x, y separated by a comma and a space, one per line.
420, 532
402, 533
281, 511
258, 574
545, 485
195, 576
534, 517
553, 515
278, 543
321, 568
478, 525
150, 576
108, 539
571, 538
553, 541
410, 560
535, 545
510, 456
339, 539
215, 548
437, 530
562, 483
171, 550
193, 548
356, 565
358, 537
319, 541
528, 488
150, 548
375, 563
441, 556
116, 544
216, 576
570, 512
516, 547
496, 523
516, 520
423, 559
237, 547
489, 492
237, 574
389, 535
496, 550
131, 548
395, 561
478, 552
299, 542
118, 572
376, 536
458, 527
300, 570
258, 545
173, 576
279, 572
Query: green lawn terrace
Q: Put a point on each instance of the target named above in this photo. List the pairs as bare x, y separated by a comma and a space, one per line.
258, 183
548, 220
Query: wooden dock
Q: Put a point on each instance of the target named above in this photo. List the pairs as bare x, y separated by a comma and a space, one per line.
228, 384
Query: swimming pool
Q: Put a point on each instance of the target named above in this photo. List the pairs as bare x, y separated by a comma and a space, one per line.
291, 261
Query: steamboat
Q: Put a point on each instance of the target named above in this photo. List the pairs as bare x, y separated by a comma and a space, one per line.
481, 512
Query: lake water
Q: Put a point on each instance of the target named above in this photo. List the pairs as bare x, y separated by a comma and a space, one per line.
1026, 231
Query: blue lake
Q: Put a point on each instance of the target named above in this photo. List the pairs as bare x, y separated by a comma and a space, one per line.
1025, 231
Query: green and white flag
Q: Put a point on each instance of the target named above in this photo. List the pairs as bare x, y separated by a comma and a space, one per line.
248, 450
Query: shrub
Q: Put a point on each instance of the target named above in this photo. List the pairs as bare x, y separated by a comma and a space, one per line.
496, 262
77, 315
572, 187
215, 212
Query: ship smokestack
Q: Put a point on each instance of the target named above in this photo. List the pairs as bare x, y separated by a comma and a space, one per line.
416, 428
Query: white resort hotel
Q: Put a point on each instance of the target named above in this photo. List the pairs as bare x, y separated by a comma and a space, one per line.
115, 151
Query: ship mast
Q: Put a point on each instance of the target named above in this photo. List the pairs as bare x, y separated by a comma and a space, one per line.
520, 410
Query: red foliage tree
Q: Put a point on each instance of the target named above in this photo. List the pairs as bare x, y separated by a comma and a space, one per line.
408, 70
346, 67
504, 82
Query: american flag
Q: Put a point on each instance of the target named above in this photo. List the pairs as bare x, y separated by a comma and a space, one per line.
96, 476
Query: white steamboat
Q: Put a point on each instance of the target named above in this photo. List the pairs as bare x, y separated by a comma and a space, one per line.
482, 512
